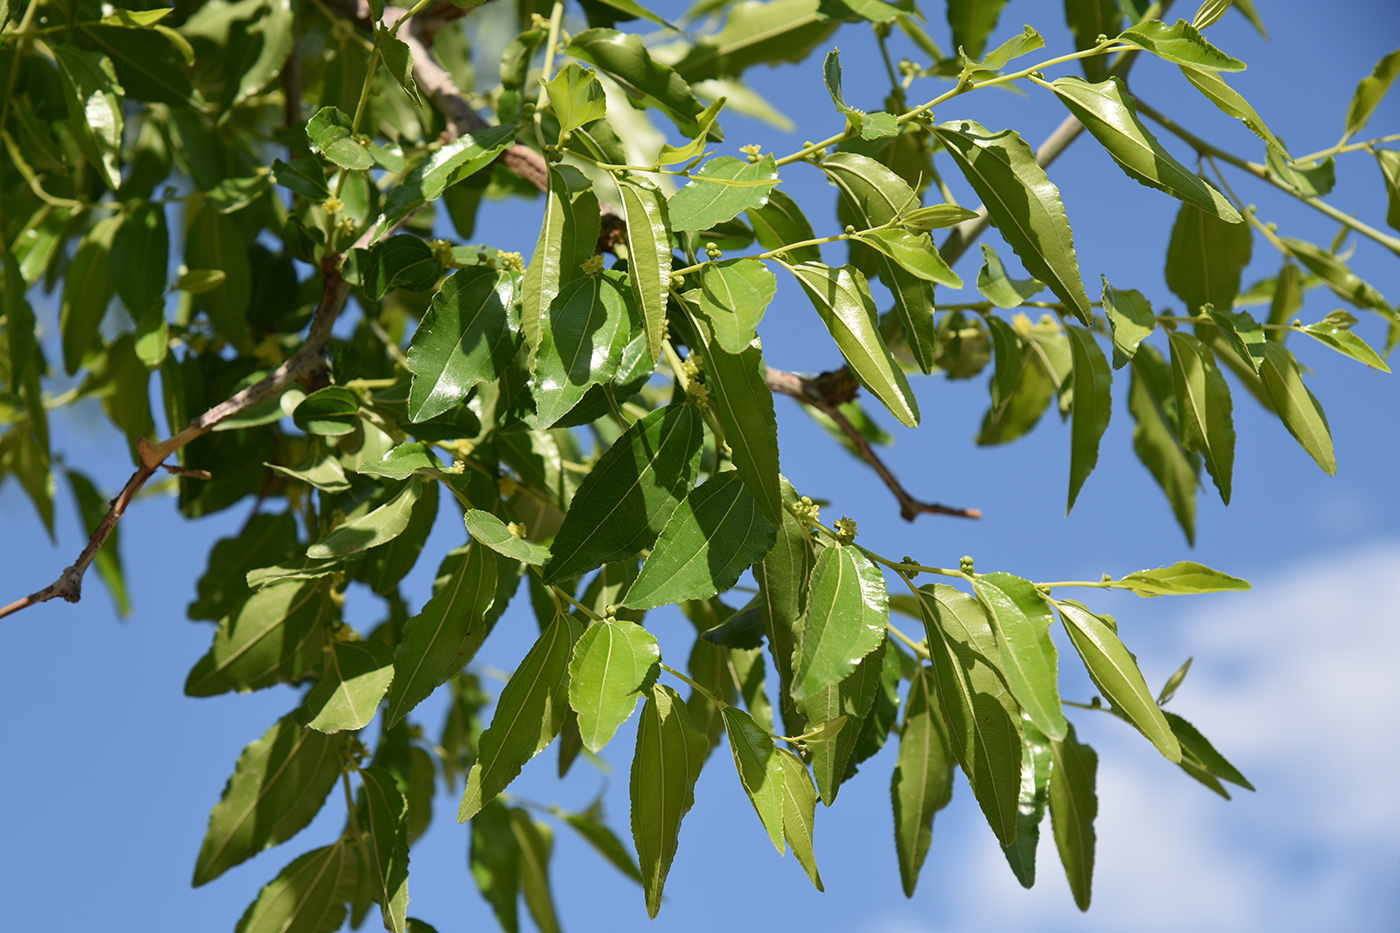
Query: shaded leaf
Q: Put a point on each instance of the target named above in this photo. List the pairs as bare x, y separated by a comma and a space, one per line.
355, 678
648, 256
1204, 408
1130, 316
760, 770
1036, 765
847, 703
1297, 407
624, 58
464, 156
275, 636
1073, 806
1205, 258
371, 530
1198, 751
536, 842
581, 342
1153, 405
1371, 90
87, 290
923, 776
385, 819
1093, 382
780, 222
308, 896
568, 236
972, 22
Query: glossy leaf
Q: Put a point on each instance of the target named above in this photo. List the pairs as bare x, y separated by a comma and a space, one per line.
491, 532
1182, 578
613, 662
87, 291
330, 411
1181, 43
670, 752
385, 819
733, 297
1347, 343
1153, 405
1021, 620
625, 59
355, 678
568, 236
984, 722
760, 770
576, 97
709, 541
722, 189
377, 527
277, 787
1130, 316
469, 336
847, 613
875, 195
94, 101
1093, 383
1036, 764
1205, 258
438, 641
581, 342
404, 261
780, 222
648, 256
799, 812
274, 637
1371, 90
1023, 204
923, 776
626, 500
459, 159
529, 714
915, 254
1073, 806
1116, 674
1204, 408
1297, 407
308, 896
842, 298
330, 134
1109, 113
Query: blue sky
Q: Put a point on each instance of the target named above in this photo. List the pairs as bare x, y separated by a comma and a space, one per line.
112, 770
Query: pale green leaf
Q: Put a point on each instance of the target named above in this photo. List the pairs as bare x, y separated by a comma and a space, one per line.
1371, 90
757, 33
972, 22
1181, 44
998, 287
1204, 408
847, 613
536, 843
1152, 402
354, 679
87, 291
1231, 102
1182, 578
624, 58
1345, 342
915, 254
308, 896
613, 663
760, 770
733, 297
330, 134
721, 190
1297, 407
490, 531
799, 812
1021, 620
1389, 160
576, 97
378, 527
1130, 316
867, 125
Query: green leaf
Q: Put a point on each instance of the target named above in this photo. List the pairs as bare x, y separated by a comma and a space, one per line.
1181, 44
923, 776
1309, 179
581, 342
842, 708
648, 256
308, 896
468, 336
1028, 40
757, 33
842, 298
1021, 620
867, 125
274, 637
1089, 19
733, 297
781, 222
404, 461
625, 59
404, 261
199, 281
568, 237
388, 565
528, 716
1231, 103
536, 842
92, 508
384, 816
744, 404
1337, 274
140, 254
590, 826
1182, 578
464, 156
936, 216
1389, 160
631, 492
1023, 204
875, 195
799, 812
1130, 315
1204, 408
915, 254
1006, 344
87, 290
378, 527
277, 787
670, 752
1344, 341
1036, 764
330, 411
972, 22
1243, 334
355, 678
847, 613
576, 97
1153, 405
1371, 90
213, 241
1114, 671
705, 123
495, 534
1198, 751
1205, 258
1297, 407
94, 101
760, 770
782, 577
1109, 113
998, 287
614, 662
398, 61
637, 10
1015, 412
1073, 806
442, 638
984, 722
302, 176
495, 862
1093, 383
264, 540
331, 135
721, 190
709, 541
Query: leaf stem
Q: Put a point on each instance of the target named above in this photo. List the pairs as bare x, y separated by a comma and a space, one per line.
556, 17
698, 689
1349, 147
917, 647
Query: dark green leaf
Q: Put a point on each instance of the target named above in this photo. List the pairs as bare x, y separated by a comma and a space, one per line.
330, 134
1089, 19
1109, 112
355, 678
1198, 751
1073, 806
94, 101
378, 527
624, 58
626, 500
398, 61
1007, 346
670, 752
1023, 204
972, 22
277, 787
760, 770
1093, 382
581, 342
1297, 407
308, 896
329, 411
213, 241
404, 461
984, 722
140, 254
1309, 179
648, 256
1021, 620
1114, 671
495, 862
1036, 763
782, 577
302, 176
468, 336
274, 637
845, 705
1181, 44
1204, 408
528, 716
387, 565
1243, 334
847, 613
568, 237
385, 819
722, 189
1369, 92
1130, 315
490, 531
402, 261
842, 298
781, 222
613, 662
709, 541
1182, 578
87, 290
1153, 405
464, 156
923, 776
